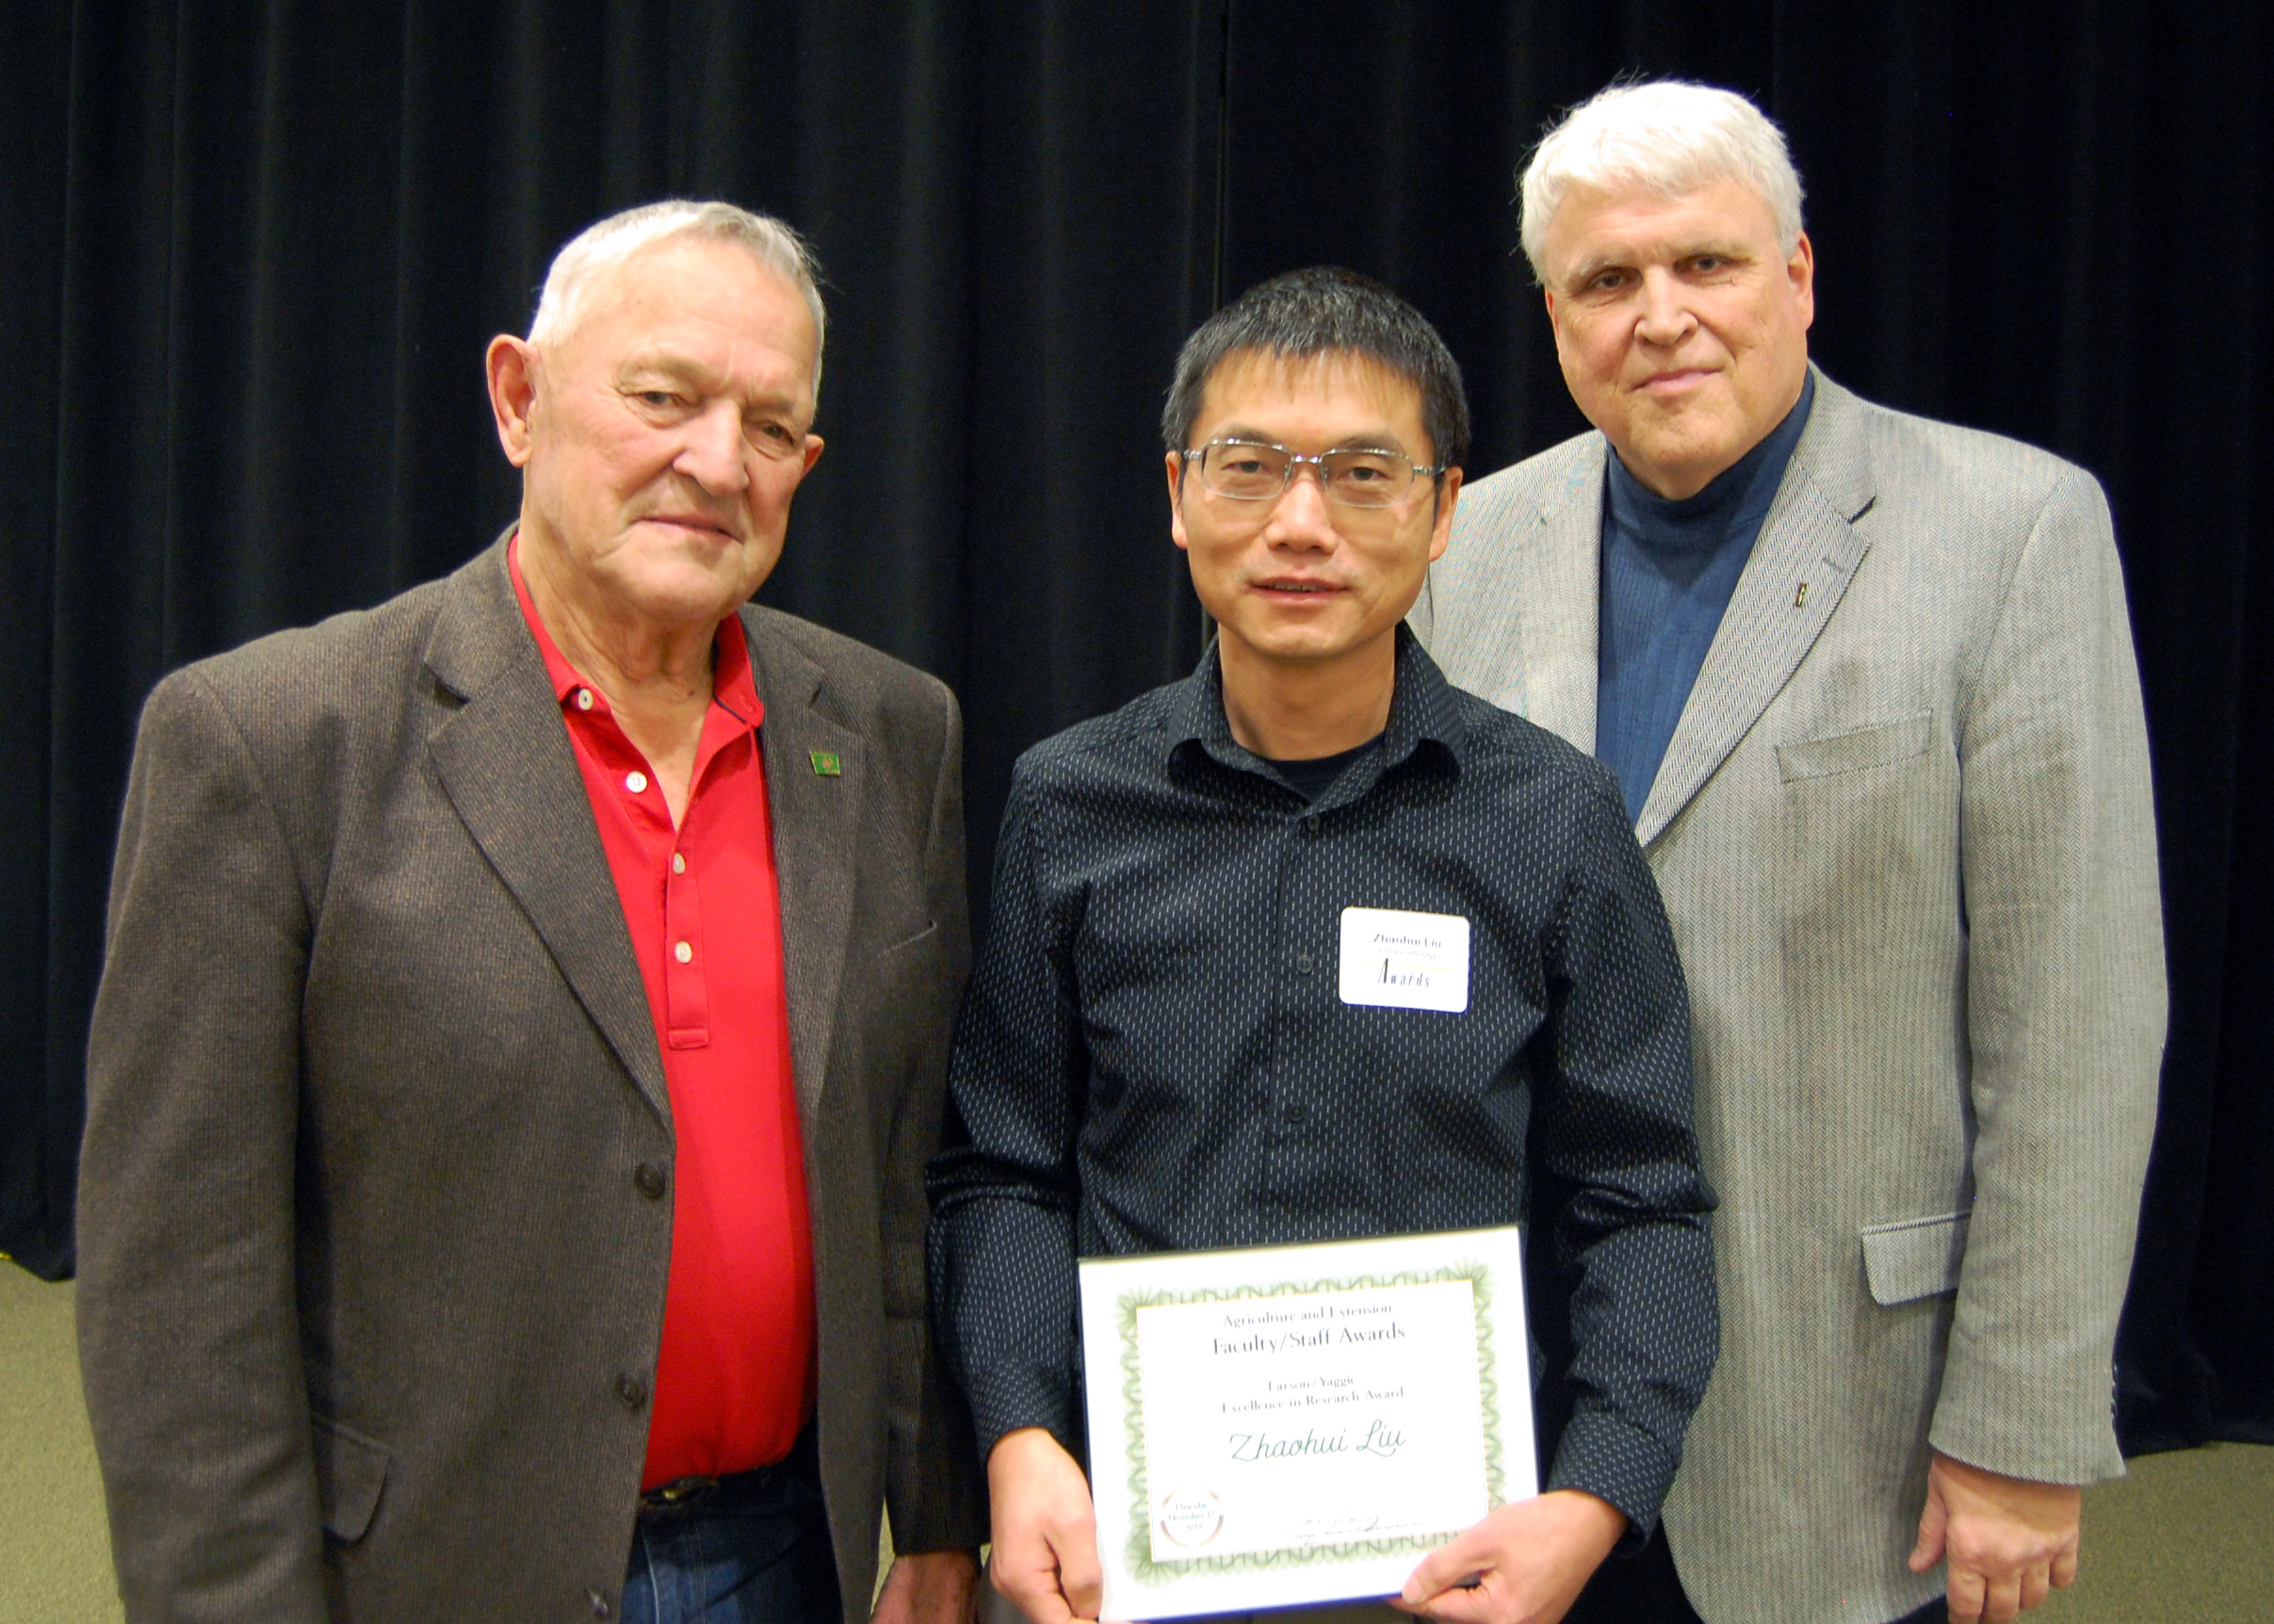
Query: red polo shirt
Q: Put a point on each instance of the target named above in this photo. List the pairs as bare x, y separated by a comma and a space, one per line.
734, 1382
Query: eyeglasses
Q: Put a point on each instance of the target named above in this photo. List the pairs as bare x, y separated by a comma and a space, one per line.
1258, 471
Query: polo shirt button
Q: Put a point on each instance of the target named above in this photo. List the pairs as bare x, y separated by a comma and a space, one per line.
1304, 963
584, 699
635, 782
1295, 1112
684, 953
650, 1180
631, 1389
678, 862
600, 1607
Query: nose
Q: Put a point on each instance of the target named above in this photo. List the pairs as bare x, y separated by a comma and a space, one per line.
1300, 518
1664, 318
714, 454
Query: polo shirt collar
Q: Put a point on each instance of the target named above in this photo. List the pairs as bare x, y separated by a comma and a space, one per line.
733, 687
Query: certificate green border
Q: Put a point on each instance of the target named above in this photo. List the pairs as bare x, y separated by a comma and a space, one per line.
1140, 1553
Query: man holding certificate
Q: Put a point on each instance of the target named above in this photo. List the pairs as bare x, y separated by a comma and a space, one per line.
1311, 947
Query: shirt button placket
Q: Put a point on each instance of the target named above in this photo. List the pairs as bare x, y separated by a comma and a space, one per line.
1287, 1111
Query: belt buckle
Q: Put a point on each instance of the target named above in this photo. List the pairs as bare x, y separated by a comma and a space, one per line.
680, 1491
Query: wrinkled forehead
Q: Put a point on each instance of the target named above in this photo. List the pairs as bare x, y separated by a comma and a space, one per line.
1723, 209
685, 283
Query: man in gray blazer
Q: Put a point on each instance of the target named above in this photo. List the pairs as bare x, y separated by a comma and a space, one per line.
1867, 682
523, 1033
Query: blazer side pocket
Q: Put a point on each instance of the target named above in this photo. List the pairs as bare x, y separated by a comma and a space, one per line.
1852, 752
1917, 1258
351, 1470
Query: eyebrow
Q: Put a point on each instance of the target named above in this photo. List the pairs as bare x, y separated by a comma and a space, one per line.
687, 370
1726, 248
1364, 440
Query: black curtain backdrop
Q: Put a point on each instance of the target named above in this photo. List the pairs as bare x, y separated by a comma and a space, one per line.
250, 256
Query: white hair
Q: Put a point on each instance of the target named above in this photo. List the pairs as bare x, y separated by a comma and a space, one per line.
602, 247
1669, 136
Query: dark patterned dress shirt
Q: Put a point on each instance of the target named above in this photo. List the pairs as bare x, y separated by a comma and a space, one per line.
1154, 1056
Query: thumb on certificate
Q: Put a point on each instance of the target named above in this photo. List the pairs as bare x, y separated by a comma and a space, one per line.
1078, 1576
1458, 1561
1527, 1560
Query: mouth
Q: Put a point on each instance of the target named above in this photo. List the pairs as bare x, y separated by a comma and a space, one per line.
1674, 379
1297, 587
693, 523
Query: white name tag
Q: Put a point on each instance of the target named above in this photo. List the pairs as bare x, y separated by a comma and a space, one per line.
1405, 960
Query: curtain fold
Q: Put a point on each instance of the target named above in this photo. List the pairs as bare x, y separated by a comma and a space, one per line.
252, 254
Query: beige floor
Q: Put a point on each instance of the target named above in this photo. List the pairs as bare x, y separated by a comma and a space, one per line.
2187, 1537
55, 1554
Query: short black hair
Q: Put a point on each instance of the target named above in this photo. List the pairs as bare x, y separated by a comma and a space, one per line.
1322, 311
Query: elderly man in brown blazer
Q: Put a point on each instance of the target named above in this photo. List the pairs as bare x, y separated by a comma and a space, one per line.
522, 1037
1867, 683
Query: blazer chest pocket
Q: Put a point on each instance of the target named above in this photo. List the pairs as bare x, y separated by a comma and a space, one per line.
1874, 746
1917, 1258
351, 1470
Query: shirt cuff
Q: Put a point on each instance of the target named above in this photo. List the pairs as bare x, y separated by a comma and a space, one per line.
1618, 1463
1030, 1403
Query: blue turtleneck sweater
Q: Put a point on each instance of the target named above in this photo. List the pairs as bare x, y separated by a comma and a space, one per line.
1668, 570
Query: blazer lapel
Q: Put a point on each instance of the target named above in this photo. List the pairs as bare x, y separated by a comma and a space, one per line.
1556, 599
816, 815
1807, 554
506, 764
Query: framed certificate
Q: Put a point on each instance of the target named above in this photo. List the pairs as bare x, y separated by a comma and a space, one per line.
1300, 1423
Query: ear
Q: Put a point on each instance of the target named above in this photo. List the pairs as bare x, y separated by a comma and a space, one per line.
1441, 529
1801, 270
512, 364
1175, 467
813, 454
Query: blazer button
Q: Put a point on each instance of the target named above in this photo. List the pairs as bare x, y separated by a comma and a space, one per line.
631, 1389
649, 1178
600, 1607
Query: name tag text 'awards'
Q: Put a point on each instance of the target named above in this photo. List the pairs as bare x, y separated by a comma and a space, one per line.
1405, 960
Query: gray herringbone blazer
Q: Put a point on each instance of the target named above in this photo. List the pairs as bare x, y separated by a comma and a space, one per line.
1905, 835
372, 1252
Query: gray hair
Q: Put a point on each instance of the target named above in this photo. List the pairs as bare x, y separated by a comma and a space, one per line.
602, 247
1326, 311
1669, 136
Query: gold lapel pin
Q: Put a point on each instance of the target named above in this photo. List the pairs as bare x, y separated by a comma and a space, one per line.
827, 763
1800, 597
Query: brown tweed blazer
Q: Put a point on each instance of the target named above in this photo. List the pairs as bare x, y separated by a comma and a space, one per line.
1905, 841
371, 1280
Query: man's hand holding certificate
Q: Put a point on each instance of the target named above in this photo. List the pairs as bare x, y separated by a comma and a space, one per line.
1306, 1423
1300, 1423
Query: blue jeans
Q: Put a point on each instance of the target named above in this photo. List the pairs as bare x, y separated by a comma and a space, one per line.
754, 1551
